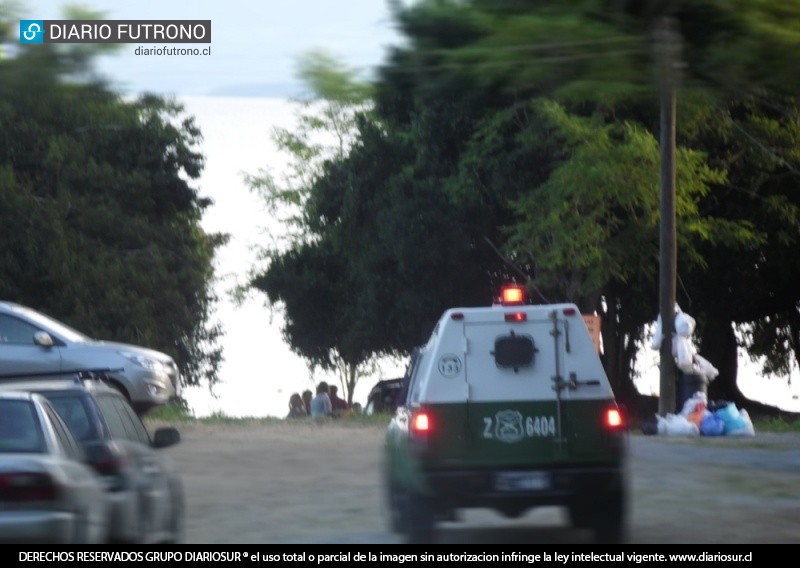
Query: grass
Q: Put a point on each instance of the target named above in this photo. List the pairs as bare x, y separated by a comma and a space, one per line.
176, 413
773, 424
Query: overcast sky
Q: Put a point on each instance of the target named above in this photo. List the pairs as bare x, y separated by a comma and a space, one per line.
254, 44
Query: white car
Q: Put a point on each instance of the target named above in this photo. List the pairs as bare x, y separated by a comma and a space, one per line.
143, 488
35, 345
48, 494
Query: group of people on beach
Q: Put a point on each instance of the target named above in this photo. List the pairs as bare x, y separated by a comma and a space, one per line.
325, 403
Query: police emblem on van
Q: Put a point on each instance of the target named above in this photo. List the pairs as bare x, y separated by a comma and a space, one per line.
508, 426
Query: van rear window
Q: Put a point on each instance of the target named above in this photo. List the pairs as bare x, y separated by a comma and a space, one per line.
514, 351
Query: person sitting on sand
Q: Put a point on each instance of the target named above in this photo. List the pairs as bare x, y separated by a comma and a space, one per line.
338, 404
296, 407
321, 403
307, 396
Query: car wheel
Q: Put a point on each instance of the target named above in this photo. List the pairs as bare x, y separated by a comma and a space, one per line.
421, 521
177, 524
81, 535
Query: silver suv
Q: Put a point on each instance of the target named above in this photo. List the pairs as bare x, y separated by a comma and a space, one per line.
35, 345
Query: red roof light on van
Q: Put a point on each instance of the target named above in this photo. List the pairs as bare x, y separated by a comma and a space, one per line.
512, 295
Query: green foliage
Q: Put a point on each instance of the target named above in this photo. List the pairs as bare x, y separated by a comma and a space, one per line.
306, 275
170, 413
595, 219
326, 121
101, 222
519, 140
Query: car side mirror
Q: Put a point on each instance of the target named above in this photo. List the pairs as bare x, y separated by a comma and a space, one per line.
165, 437
43, 339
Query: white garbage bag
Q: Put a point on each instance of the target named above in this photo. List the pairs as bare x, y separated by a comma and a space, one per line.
683, 351
704, 368
676, 425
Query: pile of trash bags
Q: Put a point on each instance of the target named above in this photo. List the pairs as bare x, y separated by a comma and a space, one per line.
698, 417
701, 418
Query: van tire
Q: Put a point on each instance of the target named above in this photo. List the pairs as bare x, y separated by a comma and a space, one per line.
610, 521
606, 517
397, 502
421, 521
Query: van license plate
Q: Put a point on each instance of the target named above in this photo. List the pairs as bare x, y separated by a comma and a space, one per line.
522, 481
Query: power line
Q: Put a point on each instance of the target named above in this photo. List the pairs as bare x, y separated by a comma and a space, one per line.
529, 46
516, 62
763, 147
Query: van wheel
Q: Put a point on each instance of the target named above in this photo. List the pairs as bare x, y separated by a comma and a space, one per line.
398, 508
579, 515
606, 518
421, 520
610, 524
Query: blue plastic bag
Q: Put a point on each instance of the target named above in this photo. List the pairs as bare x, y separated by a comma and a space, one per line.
712, 425
732, 418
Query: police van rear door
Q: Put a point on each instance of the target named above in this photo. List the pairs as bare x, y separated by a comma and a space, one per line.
513, 356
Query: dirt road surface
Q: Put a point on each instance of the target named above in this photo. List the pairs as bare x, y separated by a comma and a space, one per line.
301, 482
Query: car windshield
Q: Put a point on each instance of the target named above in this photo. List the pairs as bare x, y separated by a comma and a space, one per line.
49, 324
19, 429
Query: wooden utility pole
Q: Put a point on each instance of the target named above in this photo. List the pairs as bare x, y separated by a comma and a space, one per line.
667, 46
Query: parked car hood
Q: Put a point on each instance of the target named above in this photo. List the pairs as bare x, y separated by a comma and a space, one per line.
114, 346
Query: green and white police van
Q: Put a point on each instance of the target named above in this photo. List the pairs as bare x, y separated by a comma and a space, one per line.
507, 407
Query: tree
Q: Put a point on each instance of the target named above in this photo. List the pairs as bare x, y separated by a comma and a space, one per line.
531, 129
596, 60
304, 275
101, 225
757, 140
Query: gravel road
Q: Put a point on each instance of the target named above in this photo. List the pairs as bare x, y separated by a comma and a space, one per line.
304, 483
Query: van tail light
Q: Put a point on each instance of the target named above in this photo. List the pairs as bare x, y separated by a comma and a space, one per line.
27, 486
420, 423
614, 419
419, 430
109, 460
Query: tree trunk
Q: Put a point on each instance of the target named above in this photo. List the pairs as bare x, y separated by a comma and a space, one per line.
619, 349
352, 371
718, 345
794, 338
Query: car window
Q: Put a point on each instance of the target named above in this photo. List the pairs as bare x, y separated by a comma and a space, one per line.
19, 428
113, 419
65, 438
78, 415
15, 331
136, 430
118, 415
49, 324
414, 382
